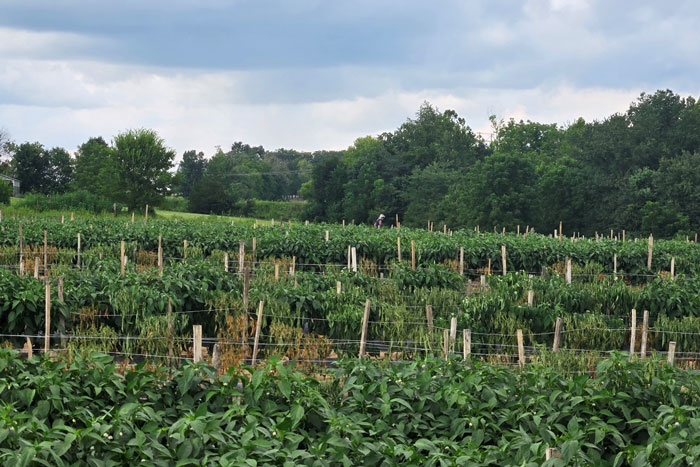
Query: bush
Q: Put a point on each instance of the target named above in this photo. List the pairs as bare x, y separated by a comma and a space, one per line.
5, 192
73, 200
173, 203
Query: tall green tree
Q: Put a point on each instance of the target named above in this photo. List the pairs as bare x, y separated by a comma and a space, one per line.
93, 165
191, 170
140, 163
32, 167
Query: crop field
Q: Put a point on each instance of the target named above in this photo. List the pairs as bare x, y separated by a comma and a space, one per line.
477, 348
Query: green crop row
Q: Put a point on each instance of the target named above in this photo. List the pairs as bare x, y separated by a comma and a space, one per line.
308, 244
429, 412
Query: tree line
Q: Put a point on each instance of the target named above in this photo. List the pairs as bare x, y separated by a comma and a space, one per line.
638, 170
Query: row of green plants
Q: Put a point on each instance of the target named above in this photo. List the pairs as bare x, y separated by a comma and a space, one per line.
307, 242
100, 301
90, 411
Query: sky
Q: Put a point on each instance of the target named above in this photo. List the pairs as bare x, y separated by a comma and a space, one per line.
312, 74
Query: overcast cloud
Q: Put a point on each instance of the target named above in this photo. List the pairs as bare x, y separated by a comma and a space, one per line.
317, 74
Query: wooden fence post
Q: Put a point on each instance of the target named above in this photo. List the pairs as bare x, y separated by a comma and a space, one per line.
353, 254
671, 352
633, 332
160, 255
197, 343
503, 259
530, 298
482, 281
673, 268
557, 335
445, 344
241, 255
398, 249
453, 333
561, 234
338, 288
615, 266
145, 219
349, 257
429, 317
258, 325
568, 270
363, 336
47, 318
36, 267
328, 235
294, 265
226, 261
461, 261
413, 255
184, 249
645, 330
467, 344
46, 258
651, 249
60, 289
277, 271
121, 258
521, 348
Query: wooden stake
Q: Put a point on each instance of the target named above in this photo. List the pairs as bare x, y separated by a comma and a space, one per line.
338, 288
429, 317
398, 249
673, 268
615, 266
651, 249
557, 335
78, 249
160, 255
21, 241
552, 453
72, 216
132, 217
46, 258
633, 332
258, 325
488, 269
467, 344
197, 342
36, 267
482, 280
530, 298
255, 249
453, 333
568, 270
145, 220
461, 261
277, 272
28, 349
47, 318
241, 255
60, 289
413, 255
246, 287
623, 235
353, 253
363, 336
521, 349
561, 234
184, 249
503, 259
645, 330
226, 261
294, 265
445, 344
328, 235
671, 352
122, 263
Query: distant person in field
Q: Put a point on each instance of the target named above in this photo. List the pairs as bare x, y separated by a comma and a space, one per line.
379, 221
